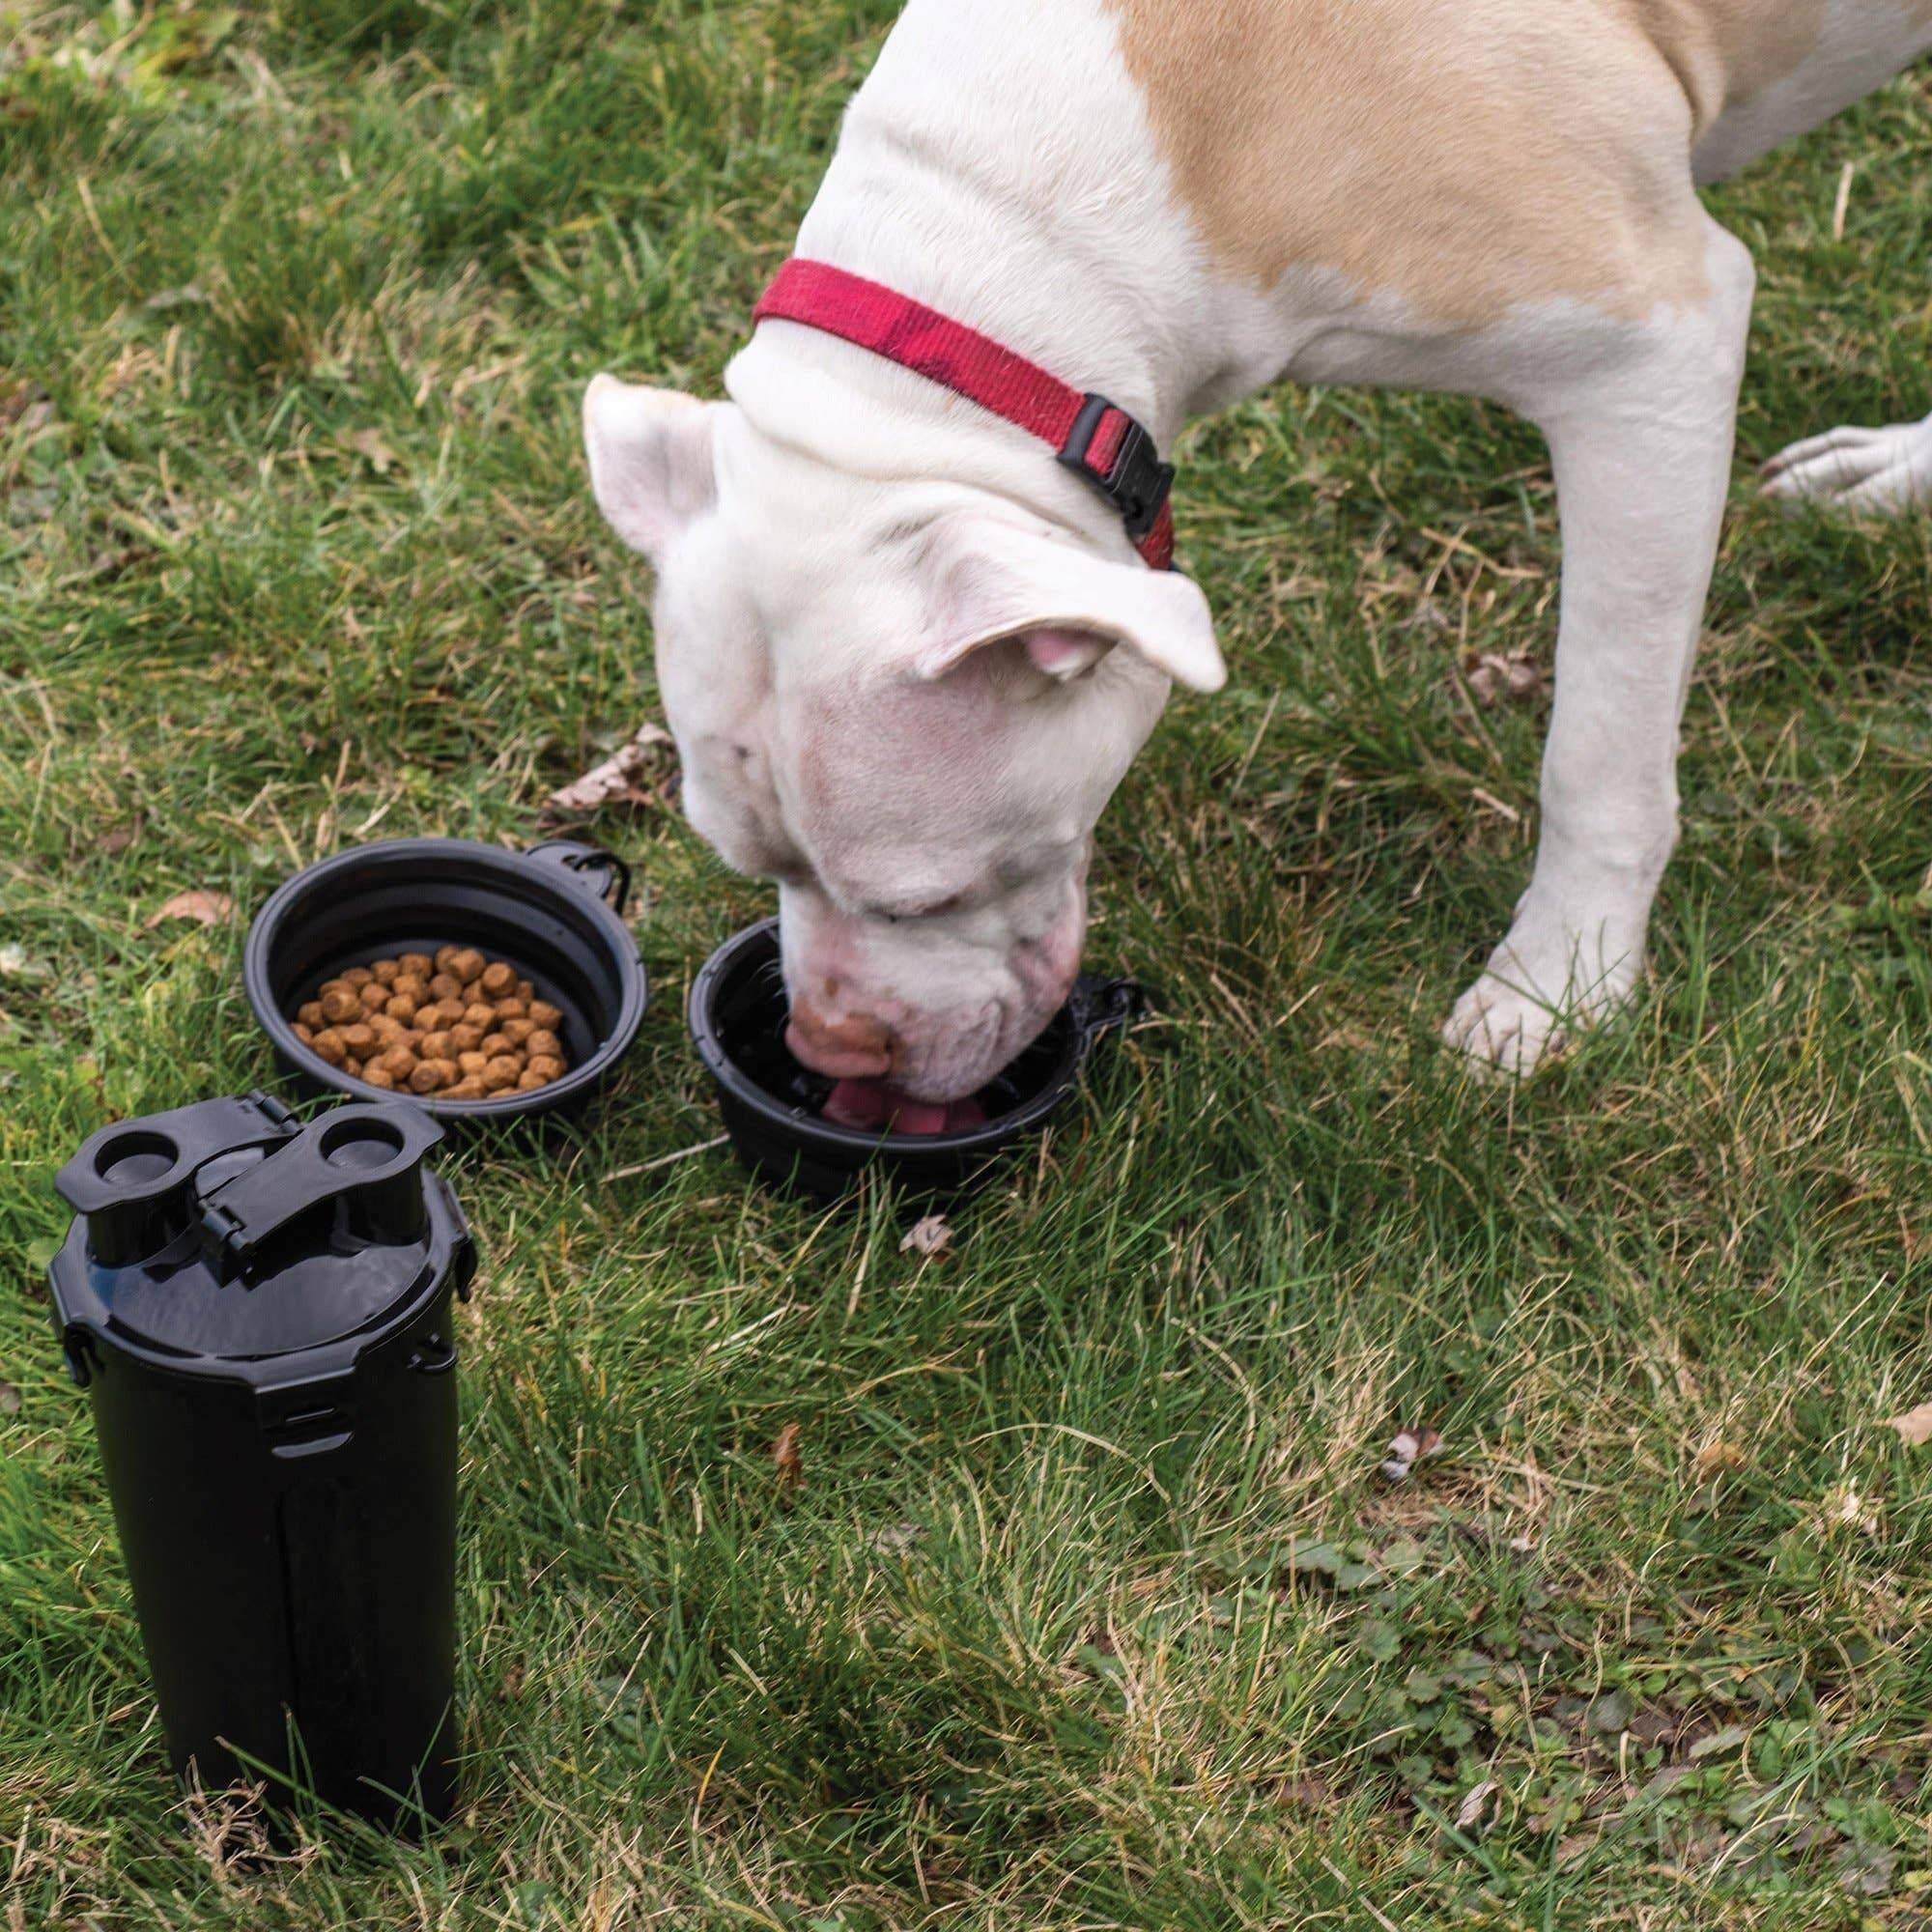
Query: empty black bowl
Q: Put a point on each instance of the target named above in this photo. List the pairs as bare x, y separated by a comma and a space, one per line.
772, 1104
550, 912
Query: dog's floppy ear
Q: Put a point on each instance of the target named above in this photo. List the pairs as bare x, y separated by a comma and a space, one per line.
650, 460
1066, 606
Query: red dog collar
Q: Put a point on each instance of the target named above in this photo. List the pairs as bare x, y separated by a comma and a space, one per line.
1095, 439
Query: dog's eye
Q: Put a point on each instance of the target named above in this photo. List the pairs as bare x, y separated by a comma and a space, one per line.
923, 909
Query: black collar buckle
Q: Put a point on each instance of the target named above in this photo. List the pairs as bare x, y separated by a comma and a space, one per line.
1134, 480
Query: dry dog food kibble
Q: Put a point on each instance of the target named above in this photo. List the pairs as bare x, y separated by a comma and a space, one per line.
456, 1027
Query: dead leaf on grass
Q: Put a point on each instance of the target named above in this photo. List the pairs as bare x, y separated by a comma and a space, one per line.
17, 963
1475, 1802
1914, 1426
931, 1237
1410, 1447
786, 1456
204, 908
10, 1399
23, 402
1307, 1793
1496, 678
616, 781
1719, 1458
1847, 1507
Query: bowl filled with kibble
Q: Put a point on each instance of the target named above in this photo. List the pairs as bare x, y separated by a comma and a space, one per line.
476, 982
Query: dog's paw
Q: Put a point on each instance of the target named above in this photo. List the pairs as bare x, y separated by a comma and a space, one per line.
1505, 1031
1535, 993
1879, 470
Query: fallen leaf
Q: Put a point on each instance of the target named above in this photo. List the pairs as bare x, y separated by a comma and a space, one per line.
1494, 678
896, 1538
617, 778
1846, 1507
931, 1235
785, 1458
20, 400
190, 295
1717, 1457
1470, 1813
1307, 1793
203, 907
17, 963
368, 444
1410, 1447
1914, 1426
10, 1399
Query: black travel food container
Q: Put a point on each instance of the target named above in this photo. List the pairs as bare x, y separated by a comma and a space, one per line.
772, 1104
552, 912
260, 1311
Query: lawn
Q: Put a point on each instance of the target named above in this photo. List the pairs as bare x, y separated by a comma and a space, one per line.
1087, 1603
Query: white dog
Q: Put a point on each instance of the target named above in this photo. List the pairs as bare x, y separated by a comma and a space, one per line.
907, 655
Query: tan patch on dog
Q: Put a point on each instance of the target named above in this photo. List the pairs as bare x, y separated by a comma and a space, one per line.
1464, 156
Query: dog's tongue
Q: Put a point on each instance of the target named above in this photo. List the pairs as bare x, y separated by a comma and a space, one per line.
875, 1105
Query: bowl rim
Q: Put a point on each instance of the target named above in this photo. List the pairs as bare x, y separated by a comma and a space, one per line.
579, 1081
814, 1132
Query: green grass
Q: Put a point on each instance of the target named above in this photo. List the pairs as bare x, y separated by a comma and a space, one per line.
1090, 1607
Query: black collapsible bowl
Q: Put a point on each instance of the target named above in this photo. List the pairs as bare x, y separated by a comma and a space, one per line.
772, 1104
550, 912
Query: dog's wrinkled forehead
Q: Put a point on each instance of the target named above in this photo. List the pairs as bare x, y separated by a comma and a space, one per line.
914, 796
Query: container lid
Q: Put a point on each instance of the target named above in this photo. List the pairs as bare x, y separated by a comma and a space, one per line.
230, 1232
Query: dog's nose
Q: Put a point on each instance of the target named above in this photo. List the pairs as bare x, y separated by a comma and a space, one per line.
841, 1046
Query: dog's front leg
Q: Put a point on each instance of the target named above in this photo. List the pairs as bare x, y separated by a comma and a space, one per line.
1640, 420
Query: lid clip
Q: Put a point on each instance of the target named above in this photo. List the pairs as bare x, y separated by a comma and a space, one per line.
360, 1160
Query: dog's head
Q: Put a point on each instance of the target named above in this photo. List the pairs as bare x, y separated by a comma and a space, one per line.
908, 704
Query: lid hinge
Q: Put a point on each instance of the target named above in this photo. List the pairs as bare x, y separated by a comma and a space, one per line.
361, 1160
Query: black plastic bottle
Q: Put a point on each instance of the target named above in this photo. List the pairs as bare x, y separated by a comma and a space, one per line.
260, 1311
